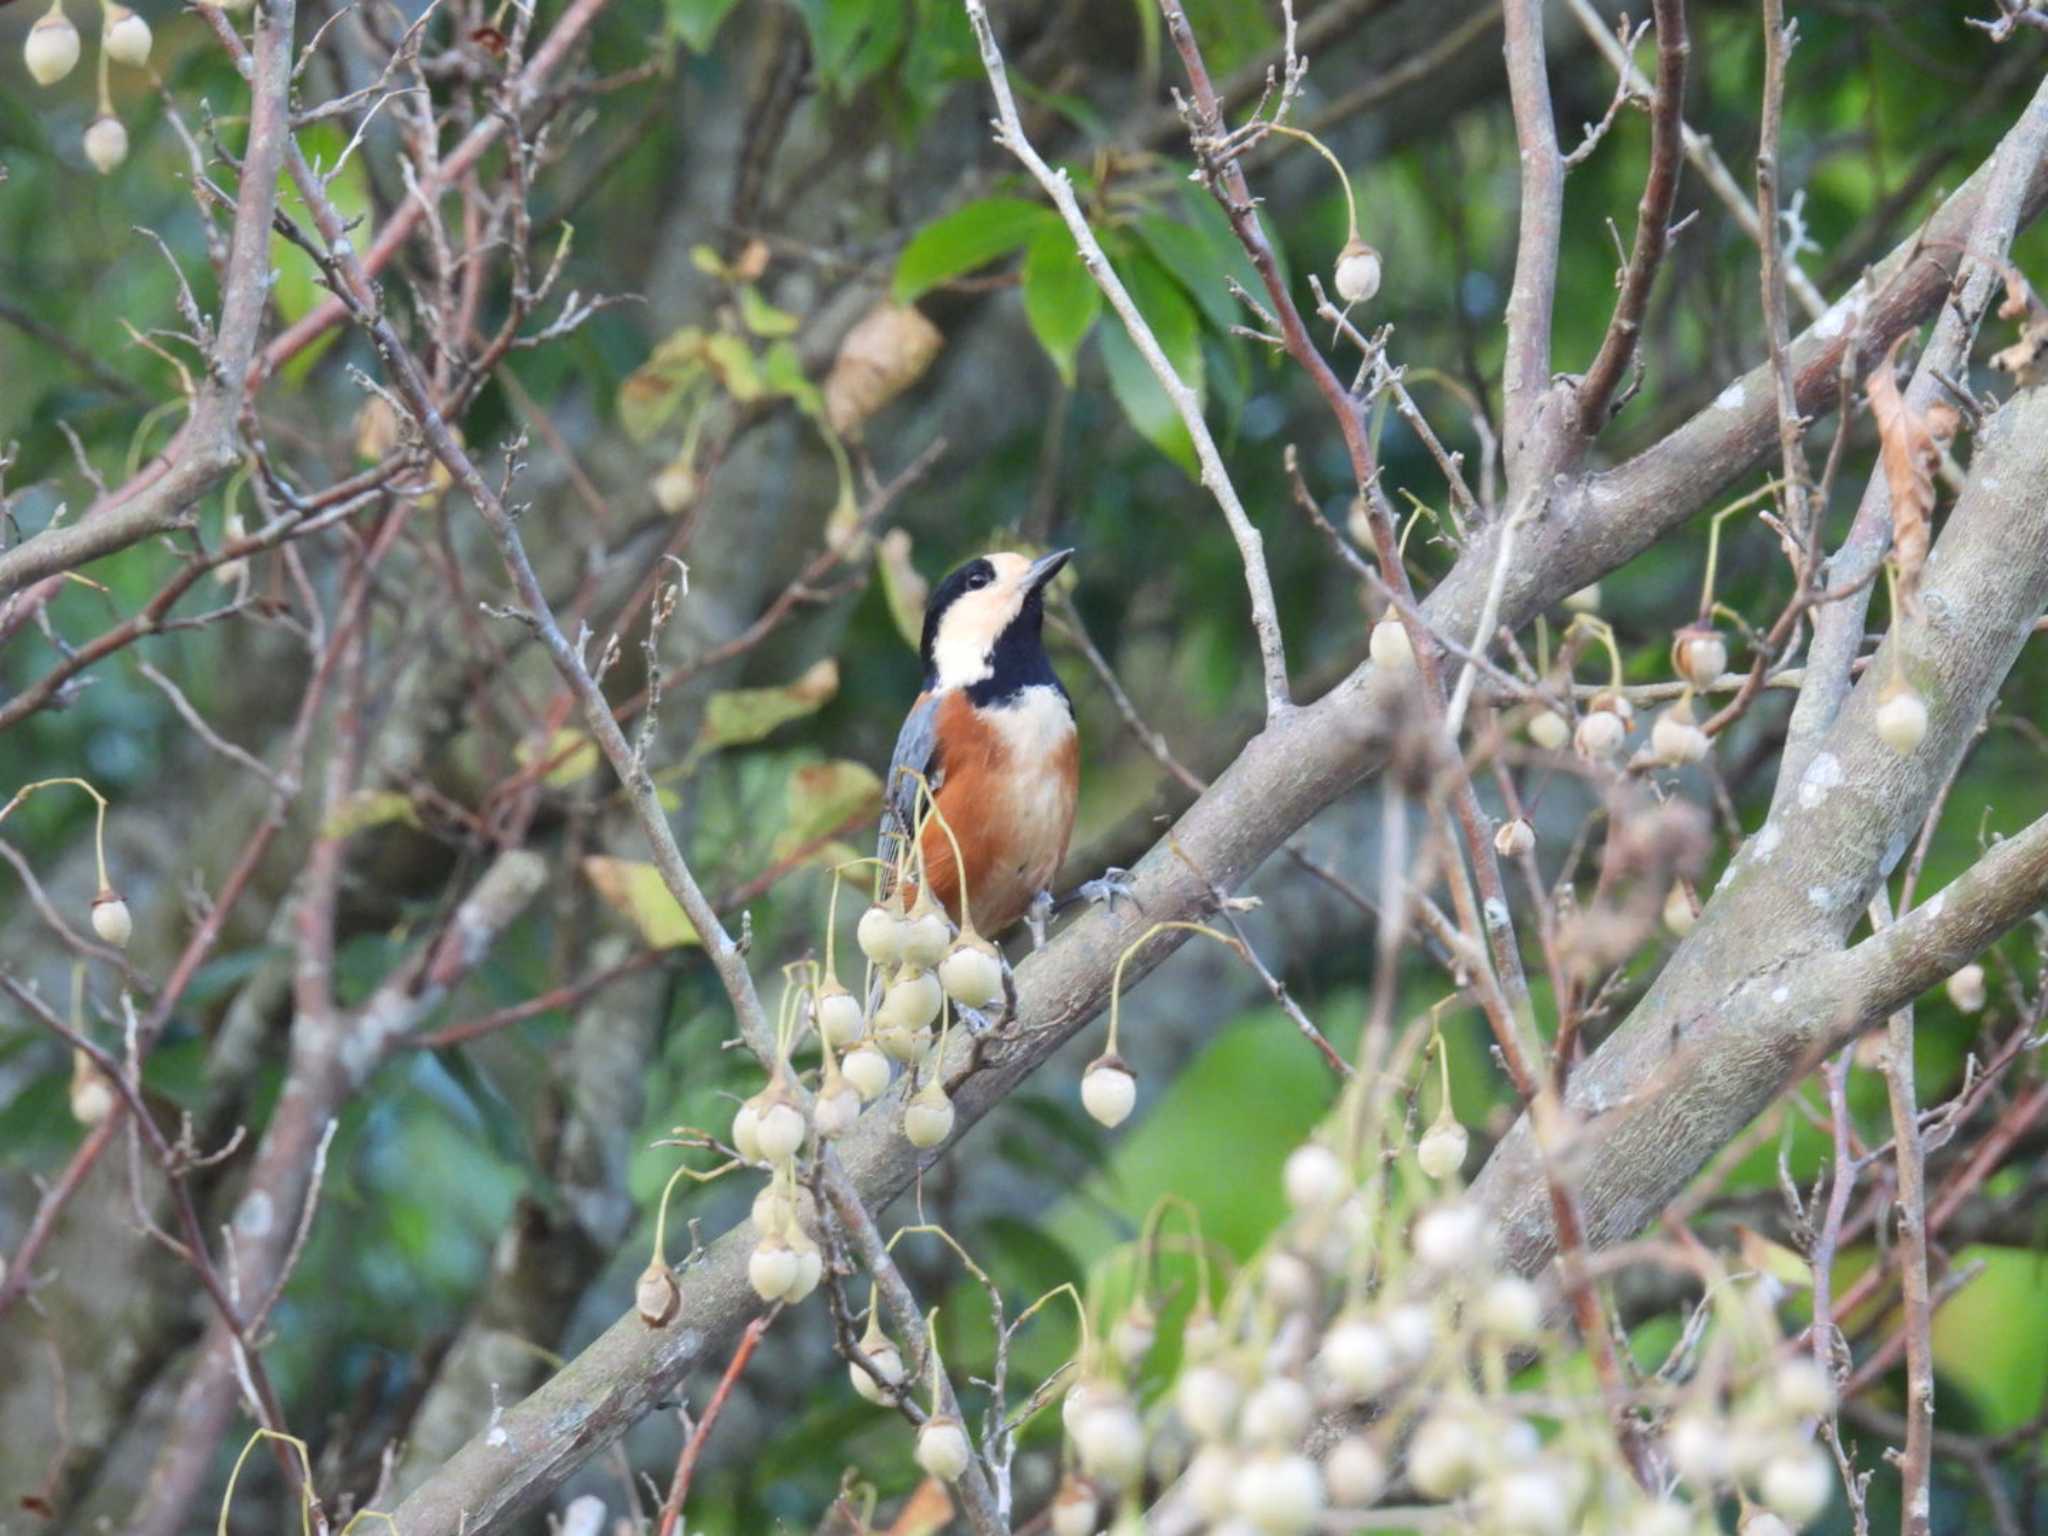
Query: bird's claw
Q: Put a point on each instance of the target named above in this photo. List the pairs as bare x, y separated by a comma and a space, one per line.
1113, 885
1036, 916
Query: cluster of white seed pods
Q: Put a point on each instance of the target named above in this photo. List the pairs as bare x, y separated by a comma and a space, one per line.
51, 51
1388, 1305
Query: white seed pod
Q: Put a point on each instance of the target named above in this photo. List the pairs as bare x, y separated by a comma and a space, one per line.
1357, 277
942, 1448
1075, 1509
1901, 718
1276, 1413
1202, 1335
1111, 1441
125, 36
1411, 1329
230, 573
1206, 1398
880, 935
1699, 1450
1451, 1238
656, 1296
1314, 1177
836, 1108
911, 1003
1445, 1456
51, 51
774, 1208
867, 1069
1800, 1389
746, 1131
1798, 1484
111, 919
1699, 654
928, 1117
887, 1362
926, 936
1965, 987
904, 1045
1358, 1357
1082, 1396
1676, 739
1513, 838
1441, 1151
1390, 645
838, 1016
1109, 1090
810, 1269
1761, 1522
1133, 1335
1549, 730
1279, 1492
1288, 1281
1600, 735
1585, 600
1681, 909
780, 1130
675, 487
1509, 1308
1663, 1517
772, 1268
972, 973
1530, 1501
92, 1096
106, 143
1355, 1471
1211, 1482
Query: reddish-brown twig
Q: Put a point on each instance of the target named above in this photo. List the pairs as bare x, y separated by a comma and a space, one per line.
693, 1446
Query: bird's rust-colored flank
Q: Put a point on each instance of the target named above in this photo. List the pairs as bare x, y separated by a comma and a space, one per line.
1011, 817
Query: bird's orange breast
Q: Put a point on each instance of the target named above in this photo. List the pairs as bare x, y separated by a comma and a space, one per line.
1011, 774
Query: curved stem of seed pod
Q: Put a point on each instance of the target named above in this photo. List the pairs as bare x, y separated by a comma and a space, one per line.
1116, 982
661, 1215
831, 926
1714, 557
106, 95
933, 813
1602, 631
931, 1347
1443, 1062
99, 831
1148, 1240
1422, 510
256, 1438
1350, 202
1891, 596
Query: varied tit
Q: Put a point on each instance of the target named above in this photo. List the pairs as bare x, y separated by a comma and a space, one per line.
993, 735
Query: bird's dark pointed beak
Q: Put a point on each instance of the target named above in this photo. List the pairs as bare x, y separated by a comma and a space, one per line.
1044, 569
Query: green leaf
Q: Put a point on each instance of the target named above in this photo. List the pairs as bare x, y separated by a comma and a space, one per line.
697, 21
576, 752
368, 808
763, 318
635, 890
967, 238
1061, 299
736, 716
656, 390
1191, 256
734, 361
823, 797
1145, 402
903, 585
782, 373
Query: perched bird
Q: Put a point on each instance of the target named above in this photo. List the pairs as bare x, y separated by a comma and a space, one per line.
993, 734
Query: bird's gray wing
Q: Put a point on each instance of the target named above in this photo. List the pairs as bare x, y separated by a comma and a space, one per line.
917, 749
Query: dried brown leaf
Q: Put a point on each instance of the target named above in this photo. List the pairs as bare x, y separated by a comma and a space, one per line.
1910, 453
883, 355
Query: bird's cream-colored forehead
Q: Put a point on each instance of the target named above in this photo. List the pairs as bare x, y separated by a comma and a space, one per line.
1009, 568
976, 619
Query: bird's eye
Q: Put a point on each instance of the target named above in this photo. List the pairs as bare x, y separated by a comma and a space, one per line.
979, 579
